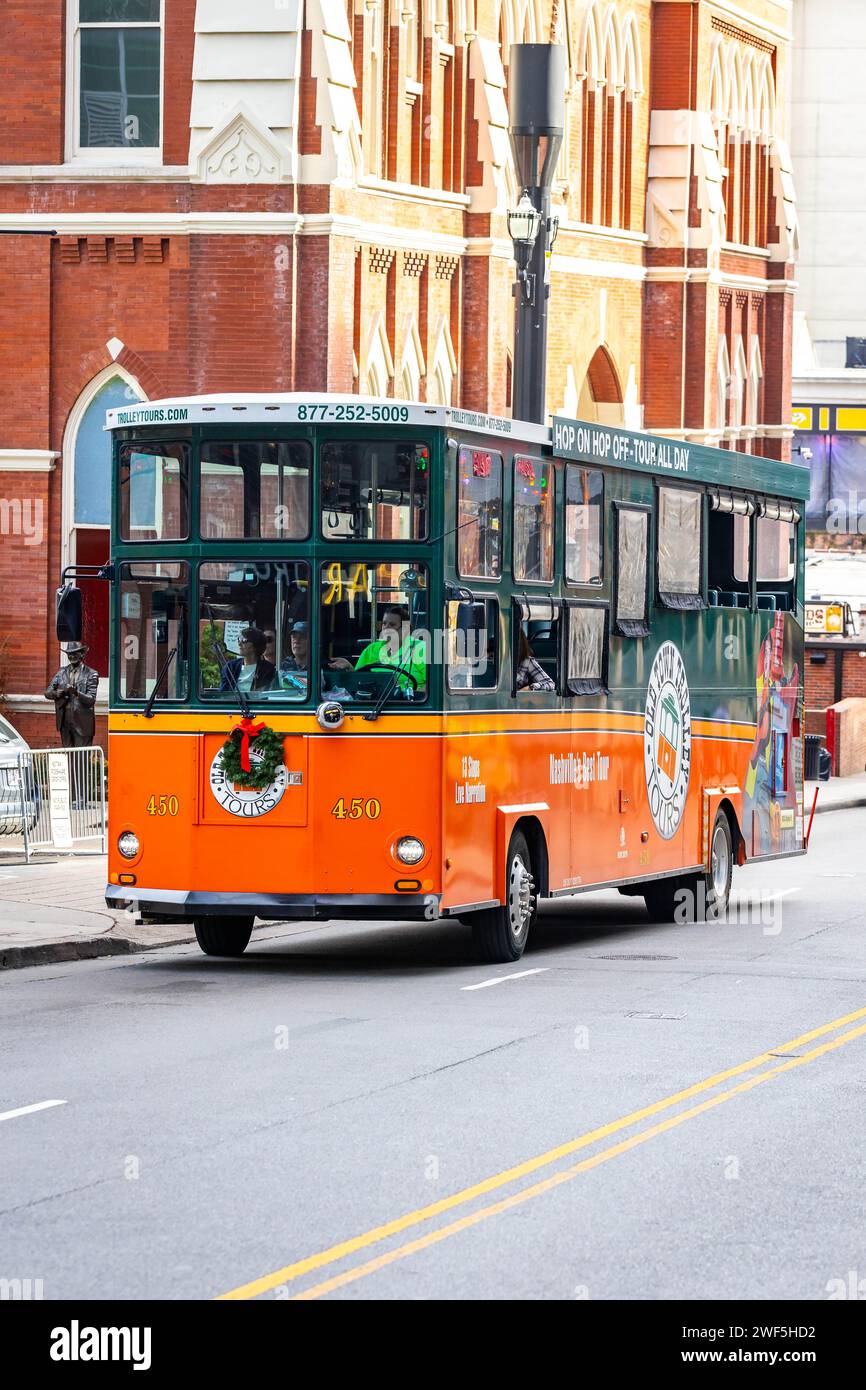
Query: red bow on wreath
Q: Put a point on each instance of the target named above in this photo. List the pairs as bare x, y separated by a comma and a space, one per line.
247, 730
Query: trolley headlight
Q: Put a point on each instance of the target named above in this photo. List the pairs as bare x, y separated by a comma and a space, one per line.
410, 850
128, 844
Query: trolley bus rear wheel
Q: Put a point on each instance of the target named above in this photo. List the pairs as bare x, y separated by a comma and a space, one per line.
707, 893
223, 936
500, 934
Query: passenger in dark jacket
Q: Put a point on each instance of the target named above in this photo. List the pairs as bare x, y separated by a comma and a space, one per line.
249, 671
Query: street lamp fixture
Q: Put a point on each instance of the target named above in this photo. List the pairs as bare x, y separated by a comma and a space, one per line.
523, 224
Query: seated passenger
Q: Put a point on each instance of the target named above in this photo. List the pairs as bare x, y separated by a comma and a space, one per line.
250, 670
293, 670
531, 675
396, 645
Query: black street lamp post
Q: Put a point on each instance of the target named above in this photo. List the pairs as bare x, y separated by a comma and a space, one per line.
536, 98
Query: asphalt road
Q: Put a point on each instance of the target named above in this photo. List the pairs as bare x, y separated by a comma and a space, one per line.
363, 1112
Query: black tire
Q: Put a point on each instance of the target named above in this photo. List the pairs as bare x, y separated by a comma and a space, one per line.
500, 935
223, 936
718, 881
697, 897
661, 899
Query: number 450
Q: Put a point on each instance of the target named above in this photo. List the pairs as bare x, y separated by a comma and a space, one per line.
357, 808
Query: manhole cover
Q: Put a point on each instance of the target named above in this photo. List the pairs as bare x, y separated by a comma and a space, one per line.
633, 957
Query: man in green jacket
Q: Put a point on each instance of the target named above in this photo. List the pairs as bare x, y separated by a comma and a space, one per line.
396, 645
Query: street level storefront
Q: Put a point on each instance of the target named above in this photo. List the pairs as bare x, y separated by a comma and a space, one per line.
830, 440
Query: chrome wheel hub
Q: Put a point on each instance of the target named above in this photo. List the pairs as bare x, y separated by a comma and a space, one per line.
720, 865
520, 896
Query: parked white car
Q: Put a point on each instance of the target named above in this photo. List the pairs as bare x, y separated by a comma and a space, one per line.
11, 745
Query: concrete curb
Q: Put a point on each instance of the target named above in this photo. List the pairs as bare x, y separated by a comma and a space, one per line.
61, 952
839, 805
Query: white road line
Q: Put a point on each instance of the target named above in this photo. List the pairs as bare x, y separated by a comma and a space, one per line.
500, 979
29, 1109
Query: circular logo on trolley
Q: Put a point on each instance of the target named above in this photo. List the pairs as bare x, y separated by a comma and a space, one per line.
246, 802
667, 745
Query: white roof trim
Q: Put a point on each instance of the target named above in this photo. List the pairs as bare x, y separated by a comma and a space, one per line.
301, 407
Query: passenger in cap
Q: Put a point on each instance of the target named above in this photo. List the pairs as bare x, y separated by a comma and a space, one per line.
294, 669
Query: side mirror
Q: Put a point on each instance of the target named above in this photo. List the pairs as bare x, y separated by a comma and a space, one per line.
69, 623
471, 630
471, 617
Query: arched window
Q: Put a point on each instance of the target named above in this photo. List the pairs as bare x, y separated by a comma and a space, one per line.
601, 397
766, 126
723, 386
632, 74
610, 133
440, 380
733, 132
753, 391
412, 368
739, 378
590, 115
414, 40
379, 365
452, 67
374, 93
87, 496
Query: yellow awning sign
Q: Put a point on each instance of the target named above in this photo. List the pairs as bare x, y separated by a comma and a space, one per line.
825, 618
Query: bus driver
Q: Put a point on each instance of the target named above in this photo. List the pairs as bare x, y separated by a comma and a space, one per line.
395, 646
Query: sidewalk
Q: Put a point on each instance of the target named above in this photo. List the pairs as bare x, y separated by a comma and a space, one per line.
54, 909
839, 794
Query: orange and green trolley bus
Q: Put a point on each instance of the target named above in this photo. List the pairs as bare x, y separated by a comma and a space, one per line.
382, 660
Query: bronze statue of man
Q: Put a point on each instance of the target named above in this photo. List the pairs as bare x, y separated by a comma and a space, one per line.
73, 690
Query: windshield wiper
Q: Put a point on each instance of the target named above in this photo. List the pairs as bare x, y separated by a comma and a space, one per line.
225, 669
148, 709
388, 689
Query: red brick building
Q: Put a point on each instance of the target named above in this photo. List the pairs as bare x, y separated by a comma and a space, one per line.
285, 196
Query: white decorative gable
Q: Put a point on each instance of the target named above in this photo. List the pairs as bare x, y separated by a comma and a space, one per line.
242, 151
498, 190
336, 108
682, 142
246, 70
787, 243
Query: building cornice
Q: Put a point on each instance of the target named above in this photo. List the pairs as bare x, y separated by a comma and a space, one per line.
27, 460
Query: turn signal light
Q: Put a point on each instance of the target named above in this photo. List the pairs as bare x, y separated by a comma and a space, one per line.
408, 885
127, 879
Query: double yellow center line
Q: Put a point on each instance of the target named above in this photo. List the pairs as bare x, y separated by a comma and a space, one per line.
497, 1181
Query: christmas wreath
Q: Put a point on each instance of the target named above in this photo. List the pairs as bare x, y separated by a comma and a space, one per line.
237, 764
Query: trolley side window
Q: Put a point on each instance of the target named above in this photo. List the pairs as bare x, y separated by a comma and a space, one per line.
533, 520
632, 556
375, 490
153, 631
154, 491
473, 644
479, 514
584, 525
679, 547
586, 649
535, 657
255, 489
728, 549
776, 555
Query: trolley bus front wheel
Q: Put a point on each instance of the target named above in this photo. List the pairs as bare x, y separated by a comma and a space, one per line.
500, 934
223, 936
697, 897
